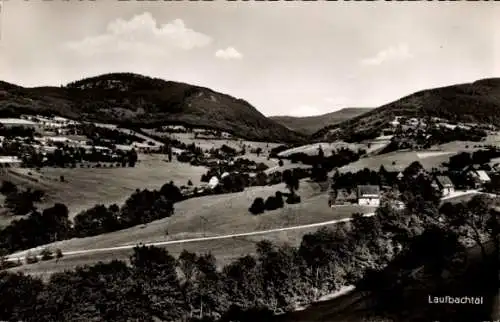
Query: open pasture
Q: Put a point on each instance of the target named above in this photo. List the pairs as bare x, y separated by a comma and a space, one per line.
399, 160
221, 215
328, 147
84, 187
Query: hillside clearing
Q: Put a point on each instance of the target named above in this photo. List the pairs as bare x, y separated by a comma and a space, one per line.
220, 215
328, 148
399, 161
85, 187
225, 251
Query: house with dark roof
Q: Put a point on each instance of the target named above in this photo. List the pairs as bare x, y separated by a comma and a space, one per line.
368, 195
478, 177
342, 197
443, 184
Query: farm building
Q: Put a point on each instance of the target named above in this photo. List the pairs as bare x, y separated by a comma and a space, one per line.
479, 177
443, 184
342, 197
368, 195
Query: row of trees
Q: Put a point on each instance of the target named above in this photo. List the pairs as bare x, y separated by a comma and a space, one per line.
461, 160
53, 223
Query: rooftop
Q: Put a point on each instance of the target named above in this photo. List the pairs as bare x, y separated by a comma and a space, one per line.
364, 190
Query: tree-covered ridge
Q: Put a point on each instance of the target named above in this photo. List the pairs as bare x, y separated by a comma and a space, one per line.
136, 100
477, 102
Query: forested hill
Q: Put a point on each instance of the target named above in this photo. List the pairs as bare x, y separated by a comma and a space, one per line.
311, 124
477, 102
137, 100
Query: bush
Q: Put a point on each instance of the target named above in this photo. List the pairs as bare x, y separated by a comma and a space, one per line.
59, 253
293, 199
46, 254
258, 206
271, 203
31, 259
280, 163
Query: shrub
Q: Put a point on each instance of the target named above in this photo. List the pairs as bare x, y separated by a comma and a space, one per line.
271, 203
59, 253
280, 163
258, 206
31, 259
293, 199
46, 254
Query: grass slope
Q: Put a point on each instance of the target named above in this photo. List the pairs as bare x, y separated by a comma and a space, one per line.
85, 187
143, 101
223, 214
474, 102
311, 124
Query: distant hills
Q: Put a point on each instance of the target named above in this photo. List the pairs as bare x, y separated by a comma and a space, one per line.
477, 102
135, 100
311, 124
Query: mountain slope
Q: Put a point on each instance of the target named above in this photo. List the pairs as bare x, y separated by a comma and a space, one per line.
311, 124
135, 100
477, 102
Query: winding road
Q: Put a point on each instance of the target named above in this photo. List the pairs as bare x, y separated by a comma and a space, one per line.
21, 255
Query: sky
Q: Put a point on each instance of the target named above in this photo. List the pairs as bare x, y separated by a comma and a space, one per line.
285, 58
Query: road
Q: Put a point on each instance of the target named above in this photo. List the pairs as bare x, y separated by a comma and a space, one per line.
21, 255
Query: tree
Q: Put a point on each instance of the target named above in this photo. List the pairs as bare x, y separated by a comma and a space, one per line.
258, 206
291, 181
132, 158
155, 269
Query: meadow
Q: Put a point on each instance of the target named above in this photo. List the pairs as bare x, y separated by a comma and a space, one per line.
84, 187
217, 215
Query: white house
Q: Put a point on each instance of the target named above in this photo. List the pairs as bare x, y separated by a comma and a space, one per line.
214, 182
368, 195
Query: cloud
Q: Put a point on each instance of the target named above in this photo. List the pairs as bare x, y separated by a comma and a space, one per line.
141, 35
393, 53
228, 53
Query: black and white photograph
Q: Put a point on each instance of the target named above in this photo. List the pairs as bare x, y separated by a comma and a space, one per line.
249, 161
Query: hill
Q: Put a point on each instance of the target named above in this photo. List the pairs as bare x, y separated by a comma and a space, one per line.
477, 102
311, 124
139, 101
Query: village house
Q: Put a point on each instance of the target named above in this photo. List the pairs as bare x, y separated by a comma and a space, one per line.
479, 178
342, 197
368, 195
443, 184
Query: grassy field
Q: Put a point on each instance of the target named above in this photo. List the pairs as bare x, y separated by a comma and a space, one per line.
225, 250
328, 147
223, 214
85, 187
207, 144
399, 160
